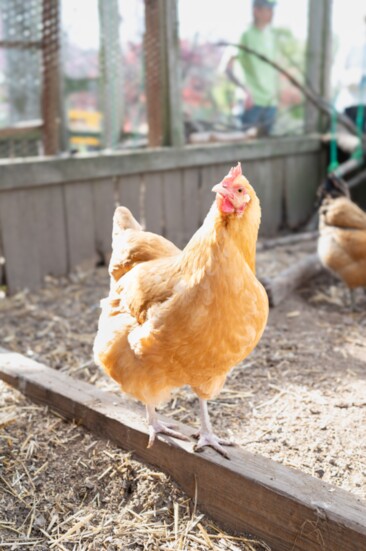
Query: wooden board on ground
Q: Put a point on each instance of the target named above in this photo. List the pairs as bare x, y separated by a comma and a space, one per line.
279, 287
290, 510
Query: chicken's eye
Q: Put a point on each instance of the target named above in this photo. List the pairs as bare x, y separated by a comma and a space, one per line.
240, 190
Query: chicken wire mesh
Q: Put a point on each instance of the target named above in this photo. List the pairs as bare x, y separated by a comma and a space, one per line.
68, 86
65, 86
20, 76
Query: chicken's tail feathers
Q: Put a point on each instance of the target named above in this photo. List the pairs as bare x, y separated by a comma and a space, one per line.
123, 219
333, 186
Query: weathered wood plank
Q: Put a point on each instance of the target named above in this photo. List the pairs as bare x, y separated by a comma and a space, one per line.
154, 203
191, 206
173, 103
28, 129
19, 236
290, 510
47, 171
105, 199
129, 193
79, 212
173, 201
2, 257
207, 181
34, 236
161, 48
302, 179
266, 177
318, 58
51, 230
111, 72
51, 30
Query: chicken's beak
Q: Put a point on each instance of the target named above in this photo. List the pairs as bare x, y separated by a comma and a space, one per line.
222, 190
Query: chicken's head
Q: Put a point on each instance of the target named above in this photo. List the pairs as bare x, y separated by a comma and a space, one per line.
233, 192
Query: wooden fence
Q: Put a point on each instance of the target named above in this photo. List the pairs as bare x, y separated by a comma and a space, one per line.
56, 214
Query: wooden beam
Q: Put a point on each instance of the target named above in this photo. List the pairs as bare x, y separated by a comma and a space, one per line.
318, 58
279, 287
21, 44
21, 130
162, 59
111, 72
153, 77
290, 510
19, 173
173, 127
50, 84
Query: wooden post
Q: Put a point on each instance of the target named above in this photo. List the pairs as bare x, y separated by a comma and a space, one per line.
163, 90
51, 84
318, 58
111, 69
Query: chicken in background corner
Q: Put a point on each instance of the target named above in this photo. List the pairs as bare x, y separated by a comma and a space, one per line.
342, 234
177, 318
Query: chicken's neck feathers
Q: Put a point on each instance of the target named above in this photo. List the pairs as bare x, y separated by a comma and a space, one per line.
220, 232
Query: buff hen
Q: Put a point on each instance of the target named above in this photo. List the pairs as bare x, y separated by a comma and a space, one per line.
176, 318
342, 235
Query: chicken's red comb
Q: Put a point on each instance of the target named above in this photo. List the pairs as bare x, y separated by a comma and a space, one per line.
234, 172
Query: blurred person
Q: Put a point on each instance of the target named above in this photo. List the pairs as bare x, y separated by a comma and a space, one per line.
258, 80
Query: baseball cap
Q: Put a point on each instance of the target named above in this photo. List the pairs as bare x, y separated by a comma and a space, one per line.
264, 3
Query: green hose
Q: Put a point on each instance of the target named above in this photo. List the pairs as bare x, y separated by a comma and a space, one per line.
333, 164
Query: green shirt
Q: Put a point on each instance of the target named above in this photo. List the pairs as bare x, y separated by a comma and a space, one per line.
260, 77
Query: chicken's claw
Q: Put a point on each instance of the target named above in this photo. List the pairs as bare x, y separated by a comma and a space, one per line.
158, 427
210, 439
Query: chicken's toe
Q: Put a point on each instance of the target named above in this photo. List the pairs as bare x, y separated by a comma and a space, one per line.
210, 439
158, 427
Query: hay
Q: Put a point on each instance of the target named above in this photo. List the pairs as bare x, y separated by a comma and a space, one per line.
298, 399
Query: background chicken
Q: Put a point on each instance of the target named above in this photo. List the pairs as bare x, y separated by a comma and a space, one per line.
177, 318
342, 235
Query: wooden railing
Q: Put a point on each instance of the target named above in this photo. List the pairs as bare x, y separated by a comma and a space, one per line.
56, 213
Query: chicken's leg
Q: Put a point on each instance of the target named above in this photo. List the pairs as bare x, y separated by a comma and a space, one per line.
156, 427
206, 437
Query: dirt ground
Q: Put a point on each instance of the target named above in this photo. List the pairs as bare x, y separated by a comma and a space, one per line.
298, 399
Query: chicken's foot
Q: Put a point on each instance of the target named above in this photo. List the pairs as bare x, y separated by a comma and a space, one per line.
158, 427
206, 436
